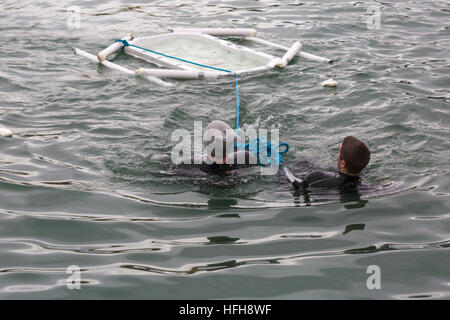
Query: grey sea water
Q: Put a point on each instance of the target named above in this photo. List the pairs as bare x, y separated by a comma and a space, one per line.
80, 180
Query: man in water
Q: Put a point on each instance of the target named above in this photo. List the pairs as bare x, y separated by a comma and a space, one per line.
220, 157
352, 158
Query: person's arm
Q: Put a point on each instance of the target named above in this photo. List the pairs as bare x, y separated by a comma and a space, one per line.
294, 181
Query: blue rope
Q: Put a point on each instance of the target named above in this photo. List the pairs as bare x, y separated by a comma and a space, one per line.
255, 146
126, 44
237, 104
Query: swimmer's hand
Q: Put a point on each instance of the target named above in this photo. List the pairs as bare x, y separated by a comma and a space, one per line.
295, 182
297, 185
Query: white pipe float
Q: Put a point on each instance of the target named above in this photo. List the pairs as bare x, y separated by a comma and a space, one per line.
116, 67
185, 72
180, 74
102, 55
218, 31
290, 54
107, 63
313, 57
302, 54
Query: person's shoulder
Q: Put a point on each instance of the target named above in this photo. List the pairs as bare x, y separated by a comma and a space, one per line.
320, 175
322, 178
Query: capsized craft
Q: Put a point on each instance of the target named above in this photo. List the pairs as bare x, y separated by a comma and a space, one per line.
213, 57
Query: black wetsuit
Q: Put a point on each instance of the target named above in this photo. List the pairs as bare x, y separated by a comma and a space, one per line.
320, 183
330, 179
217, 168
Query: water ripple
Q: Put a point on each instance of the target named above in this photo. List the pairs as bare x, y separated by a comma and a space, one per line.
85, 179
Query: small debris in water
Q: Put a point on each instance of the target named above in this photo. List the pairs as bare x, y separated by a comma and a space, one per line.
5, 132
329, 83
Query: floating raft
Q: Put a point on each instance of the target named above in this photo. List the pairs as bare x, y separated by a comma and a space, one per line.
190, 53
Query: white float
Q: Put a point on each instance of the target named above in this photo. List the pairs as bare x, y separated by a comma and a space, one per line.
302, 54
200, 46
119, 68
5, 132
290, 54
102, 55
329, 83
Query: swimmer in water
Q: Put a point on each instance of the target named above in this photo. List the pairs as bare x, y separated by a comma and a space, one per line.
220, 155
352, 158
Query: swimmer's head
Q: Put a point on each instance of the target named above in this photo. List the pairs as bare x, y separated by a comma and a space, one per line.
353, 156
219, 139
